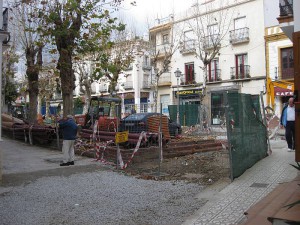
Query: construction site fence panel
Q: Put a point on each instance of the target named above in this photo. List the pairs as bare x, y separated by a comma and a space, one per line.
188, 114
246, 133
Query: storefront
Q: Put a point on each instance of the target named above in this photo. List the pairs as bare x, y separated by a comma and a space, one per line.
217, 103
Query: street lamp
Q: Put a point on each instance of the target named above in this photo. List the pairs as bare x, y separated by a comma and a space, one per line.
178, 75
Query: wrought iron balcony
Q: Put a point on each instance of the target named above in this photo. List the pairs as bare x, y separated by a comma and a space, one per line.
240, 72
128, 85
286, 7
214, 75
103, 87
239, 35
146, 66
188, 46
164, 79
146, 84
162, 49
211, 41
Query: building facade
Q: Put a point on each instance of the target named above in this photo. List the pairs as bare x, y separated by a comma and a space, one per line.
232, 34
280, 68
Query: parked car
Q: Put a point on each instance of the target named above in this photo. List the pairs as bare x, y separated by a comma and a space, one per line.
138, 122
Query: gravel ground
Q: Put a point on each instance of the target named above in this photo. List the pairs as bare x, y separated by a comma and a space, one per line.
100, 197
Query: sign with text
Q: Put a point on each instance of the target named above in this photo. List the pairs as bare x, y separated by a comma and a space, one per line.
189, 92
121, 137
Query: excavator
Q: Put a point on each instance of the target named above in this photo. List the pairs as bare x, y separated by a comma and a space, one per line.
105, 110
271, 85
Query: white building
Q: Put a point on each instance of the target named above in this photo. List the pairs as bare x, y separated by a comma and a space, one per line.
134, 83
236, 27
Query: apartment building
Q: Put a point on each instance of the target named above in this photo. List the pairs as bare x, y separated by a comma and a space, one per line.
231, 33
289, 22
280, 68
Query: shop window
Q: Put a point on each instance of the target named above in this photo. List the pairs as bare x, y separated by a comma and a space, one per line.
217, 108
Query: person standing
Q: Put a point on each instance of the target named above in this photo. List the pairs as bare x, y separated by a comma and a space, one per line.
69, 132
288, 121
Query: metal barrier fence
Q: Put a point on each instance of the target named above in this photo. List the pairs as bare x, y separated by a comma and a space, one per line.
244, 129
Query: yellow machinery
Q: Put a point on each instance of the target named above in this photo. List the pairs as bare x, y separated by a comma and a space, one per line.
271, 89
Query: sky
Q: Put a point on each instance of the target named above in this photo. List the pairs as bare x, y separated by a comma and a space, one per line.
150, 10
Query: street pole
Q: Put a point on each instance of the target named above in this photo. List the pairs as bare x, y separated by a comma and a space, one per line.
178, 102
178, 75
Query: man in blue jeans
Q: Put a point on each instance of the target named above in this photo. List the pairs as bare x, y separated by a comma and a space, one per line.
69, 132
288, 121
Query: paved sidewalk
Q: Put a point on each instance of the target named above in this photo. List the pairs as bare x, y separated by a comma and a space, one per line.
228, 206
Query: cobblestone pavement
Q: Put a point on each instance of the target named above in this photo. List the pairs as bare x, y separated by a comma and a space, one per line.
228, 206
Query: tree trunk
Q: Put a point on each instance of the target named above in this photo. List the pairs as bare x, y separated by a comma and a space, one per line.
34, 63
33, 89
67, 80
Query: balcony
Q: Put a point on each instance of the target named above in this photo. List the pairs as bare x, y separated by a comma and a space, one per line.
214, 75
188, 46
128, 85
146, 66
286, 17
103, 87
239, 35
162, 49
240, 72
164, 79
187, 81
211, 42
129, 67
286, 8
287, 74
146, 84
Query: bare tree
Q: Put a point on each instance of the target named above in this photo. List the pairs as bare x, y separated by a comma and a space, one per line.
161, 56
32, 44
210, 23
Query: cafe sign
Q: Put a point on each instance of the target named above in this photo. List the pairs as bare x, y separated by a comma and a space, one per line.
189, 92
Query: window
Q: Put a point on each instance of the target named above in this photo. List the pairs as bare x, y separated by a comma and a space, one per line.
165, 38
212, 35
217, 108
287, 63
189, 73
189, 42
240, 32
239, 23
213, 71
241, 67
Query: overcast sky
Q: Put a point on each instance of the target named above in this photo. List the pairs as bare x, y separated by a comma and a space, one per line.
151, 10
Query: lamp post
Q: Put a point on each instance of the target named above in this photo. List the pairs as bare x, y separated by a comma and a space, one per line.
178, 75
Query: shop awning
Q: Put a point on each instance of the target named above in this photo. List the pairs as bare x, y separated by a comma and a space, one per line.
283, 92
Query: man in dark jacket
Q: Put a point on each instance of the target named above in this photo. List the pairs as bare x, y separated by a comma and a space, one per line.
288, 121
69, 132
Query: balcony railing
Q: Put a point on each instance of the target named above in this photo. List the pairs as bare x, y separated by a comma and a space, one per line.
146, 84
128, 85
286, 7
162, 49
287, 74
240, 72
146, 66
239, 35
214, 75
103, 88
188, 46
211, 41
164, 79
